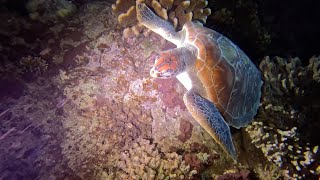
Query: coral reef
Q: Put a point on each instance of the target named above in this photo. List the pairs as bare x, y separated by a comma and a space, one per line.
178, 12
94, 108
101, 99
145, 161
285, 119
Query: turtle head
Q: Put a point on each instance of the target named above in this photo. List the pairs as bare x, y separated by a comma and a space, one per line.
167, 65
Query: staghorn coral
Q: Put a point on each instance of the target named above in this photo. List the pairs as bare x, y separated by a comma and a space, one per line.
282, 138
73, 123
178, 12
145, 161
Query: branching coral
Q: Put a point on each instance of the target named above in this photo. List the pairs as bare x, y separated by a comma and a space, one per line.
284, 148
287, 81
178, 12
290, 76
286, 119
35, 65
144, 161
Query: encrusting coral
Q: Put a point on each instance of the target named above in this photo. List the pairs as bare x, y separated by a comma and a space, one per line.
285, 118
178, 12
145, 161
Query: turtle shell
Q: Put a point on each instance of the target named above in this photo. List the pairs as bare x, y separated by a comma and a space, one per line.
229, 78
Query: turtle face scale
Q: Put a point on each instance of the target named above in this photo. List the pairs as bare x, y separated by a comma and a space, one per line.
167, 65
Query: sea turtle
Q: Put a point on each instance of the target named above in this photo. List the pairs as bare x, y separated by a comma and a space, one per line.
223, 85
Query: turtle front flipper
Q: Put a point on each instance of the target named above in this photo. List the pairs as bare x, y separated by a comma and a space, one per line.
160, 26
209, 117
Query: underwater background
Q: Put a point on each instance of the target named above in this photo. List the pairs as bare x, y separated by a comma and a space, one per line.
77, 100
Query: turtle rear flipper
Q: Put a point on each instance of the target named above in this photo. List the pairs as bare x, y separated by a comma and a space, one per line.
209, 117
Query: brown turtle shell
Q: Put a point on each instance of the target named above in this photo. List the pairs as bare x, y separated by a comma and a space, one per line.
229, 78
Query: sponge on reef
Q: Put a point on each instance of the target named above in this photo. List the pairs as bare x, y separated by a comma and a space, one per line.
178, 12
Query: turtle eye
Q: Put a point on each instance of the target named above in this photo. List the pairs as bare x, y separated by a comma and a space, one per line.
171, 59
167, 73
168, 60
139, 6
